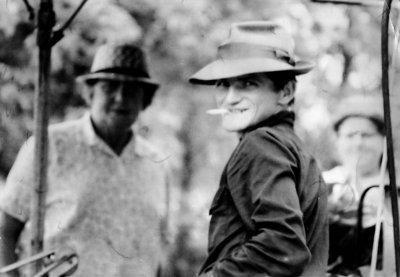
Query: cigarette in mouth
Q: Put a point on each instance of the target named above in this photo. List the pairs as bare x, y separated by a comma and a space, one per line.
217, 111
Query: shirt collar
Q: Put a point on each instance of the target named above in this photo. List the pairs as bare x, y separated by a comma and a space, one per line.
90, 135
94, 140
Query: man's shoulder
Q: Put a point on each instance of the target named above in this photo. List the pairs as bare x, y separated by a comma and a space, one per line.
261, 145
67, 126
278, 141
268, 131
147, 149
71, 130
279, 125
281, 136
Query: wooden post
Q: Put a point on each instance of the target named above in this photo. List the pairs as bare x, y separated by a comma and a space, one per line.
45, 23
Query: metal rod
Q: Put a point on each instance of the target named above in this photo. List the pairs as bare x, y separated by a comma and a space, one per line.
372, 3
26, 261
74, 14
46, 21
349, 2
59, 34
388, 126
31, 11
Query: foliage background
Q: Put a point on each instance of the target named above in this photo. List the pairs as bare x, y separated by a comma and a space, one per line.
180, 36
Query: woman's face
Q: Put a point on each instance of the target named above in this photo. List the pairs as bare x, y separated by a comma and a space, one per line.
360, 145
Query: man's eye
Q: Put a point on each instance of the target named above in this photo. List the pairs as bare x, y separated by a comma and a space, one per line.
364, 135
352, 134
250, 84
109, 86
247, 84
222, 84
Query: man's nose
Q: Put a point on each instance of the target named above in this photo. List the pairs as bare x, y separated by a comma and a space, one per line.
121, 93
232, 96
358, 139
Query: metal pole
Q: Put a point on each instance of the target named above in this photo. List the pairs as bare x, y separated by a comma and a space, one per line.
388, 126
371, 3
45, 23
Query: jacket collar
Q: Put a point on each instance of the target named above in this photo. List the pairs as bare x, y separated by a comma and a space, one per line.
282, 117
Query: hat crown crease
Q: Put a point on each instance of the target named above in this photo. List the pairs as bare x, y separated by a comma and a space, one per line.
271, 35
240, 50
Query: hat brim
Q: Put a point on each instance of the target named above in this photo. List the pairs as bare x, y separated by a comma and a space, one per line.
229, 68
115, 76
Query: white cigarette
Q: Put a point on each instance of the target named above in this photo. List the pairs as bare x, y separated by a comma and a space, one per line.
217, 111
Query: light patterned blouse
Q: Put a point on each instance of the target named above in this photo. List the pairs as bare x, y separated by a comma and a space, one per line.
112, 210
344, 197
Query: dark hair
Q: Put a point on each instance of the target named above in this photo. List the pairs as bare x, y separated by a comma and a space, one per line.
378, 122
281, 78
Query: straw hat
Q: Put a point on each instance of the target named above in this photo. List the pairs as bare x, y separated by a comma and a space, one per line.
119, 61
360, 105
254, 46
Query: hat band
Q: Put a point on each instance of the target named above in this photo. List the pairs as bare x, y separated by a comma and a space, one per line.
238, 50
125, 71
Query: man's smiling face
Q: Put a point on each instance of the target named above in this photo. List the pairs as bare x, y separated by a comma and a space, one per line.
248, 99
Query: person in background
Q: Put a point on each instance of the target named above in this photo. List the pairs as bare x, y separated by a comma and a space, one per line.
359, 133
269, 215
107, 197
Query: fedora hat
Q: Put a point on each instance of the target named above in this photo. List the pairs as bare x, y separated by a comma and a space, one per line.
122, 61
252, 47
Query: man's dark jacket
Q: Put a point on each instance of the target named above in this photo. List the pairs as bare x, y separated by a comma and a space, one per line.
269, 215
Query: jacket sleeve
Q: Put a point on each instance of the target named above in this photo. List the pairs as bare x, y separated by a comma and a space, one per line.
262, 179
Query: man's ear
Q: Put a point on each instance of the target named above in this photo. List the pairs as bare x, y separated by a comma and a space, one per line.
87, 94
287, 94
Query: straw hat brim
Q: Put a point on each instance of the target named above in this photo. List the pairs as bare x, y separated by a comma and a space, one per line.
117, 77
229, 68
359, 106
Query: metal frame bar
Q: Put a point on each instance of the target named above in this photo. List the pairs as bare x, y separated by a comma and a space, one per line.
370, 3
388, 125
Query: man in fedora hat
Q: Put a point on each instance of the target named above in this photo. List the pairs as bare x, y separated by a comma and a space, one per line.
269, 214
107, 186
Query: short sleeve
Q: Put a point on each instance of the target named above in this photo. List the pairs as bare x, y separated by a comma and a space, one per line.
15, 196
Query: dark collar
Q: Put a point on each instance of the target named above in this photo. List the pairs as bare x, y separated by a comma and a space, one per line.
282, 117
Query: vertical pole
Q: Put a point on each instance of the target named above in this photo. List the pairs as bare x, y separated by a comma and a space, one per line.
388, 126
45, 23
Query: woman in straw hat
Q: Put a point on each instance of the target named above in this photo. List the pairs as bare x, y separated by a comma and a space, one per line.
359, 135
107, 196
269, 215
